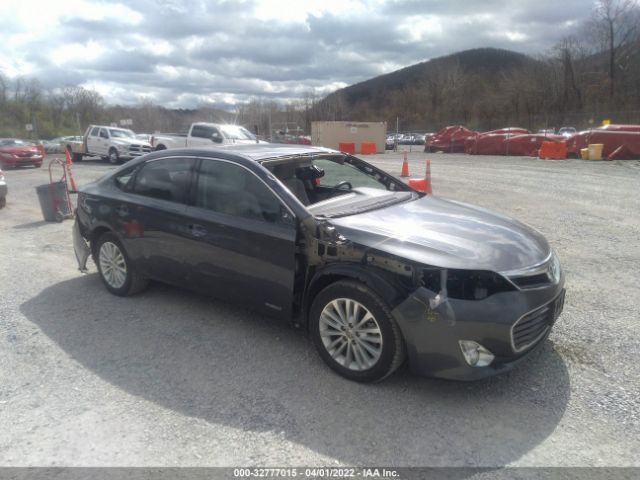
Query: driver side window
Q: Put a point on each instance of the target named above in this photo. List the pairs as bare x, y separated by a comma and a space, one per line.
228, 188
336, 173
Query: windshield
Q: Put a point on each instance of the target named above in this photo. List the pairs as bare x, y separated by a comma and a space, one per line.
117, 133
338, 186
236, 132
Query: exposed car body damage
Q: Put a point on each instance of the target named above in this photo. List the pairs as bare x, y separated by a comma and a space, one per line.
472, 292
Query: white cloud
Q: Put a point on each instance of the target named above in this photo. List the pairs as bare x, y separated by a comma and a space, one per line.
188, 52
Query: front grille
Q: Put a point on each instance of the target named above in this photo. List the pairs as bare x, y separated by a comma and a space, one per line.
26, 154
139, 149
534, 325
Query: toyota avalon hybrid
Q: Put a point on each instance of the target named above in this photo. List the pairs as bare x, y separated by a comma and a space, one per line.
377, 272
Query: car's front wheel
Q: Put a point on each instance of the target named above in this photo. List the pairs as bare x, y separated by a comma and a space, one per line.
116, 269
354, 332
113, 157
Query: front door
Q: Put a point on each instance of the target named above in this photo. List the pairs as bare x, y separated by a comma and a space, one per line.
242, 239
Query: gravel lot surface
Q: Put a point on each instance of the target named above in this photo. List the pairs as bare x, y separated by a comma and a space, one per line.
170, 378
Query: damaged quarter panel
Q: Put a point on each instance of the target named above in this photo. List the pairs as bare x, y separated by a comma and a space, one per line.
454, 254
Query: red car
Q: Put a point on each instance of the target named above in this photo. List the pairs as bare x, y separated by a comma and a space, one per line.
14, 152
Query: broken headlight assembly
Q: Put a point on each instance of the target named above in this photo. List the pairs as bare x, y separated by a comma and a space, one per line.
465, 284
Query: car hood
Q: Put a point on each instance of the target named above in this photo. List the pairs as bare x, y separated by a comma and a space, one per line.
16, 150
445, 233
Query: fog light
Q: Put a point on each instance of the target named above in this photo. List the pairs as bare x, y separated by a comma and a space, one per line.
475, 354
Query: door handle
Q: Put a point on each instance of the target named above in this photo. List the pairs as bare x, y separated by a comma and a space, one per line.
197, 230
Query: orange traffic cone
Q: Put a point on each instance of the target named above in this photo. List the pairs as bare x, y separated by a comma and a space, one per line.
72, 182
427, 178
405, 166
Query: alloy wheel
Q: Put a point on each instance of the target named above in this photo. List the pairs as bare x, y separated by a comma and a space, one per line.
112, 265
350, 334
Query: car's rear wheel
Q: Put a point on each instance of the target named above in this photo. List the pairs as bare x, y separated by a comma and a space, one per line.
354, 332
116, 269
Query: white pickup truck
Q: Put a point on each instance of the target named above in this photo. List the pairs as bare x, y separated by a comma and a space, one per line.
110, 143
204, 134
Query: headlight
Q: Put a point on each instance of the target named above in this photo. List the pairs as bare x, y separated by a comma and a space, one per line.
465, 284
555, 271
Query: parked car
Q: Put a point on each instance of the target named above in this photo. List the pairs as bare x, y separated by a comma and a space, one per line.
3, 190
376, 271
15, 153
406, 139
57, 145
567, 131
390, 142
109, 143
205, 134
418, 138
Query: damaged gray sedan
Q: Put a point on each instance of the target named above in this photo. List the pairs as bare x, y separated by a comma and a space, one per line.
377, 272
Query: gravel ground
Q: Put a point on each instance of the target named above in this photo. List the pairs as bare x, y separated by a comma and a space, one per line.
170, 378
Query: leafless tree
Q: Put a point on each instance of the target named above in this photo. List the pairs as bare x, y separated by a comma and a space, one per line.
616, 23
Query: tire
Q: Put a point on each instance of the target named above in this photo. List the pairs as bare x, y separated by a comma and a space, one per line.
113, 157
116, 270
379, 355
3, 202
160, 147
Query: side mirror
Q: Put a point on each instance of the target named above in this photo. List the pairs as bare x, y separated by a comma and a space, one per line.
216, 137
286, 217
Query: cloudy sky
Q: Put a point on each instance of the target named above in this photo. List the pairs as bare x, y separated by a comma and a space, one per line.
185, 53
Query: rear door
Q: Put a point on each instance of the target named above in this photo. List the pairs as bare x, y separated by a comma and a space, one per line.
151, 217
242, 239
92, 139
102, 143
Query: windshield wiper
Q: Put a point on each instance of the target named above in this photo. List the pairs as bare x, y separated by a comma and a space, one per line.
370, 206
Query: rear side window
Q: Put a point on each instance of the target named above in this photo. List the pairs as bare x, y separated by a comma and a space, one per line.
166, 179
103, 133
228, 188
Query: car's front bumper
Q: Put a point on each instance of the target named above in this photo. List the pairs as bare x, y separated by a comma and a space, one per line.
432, 329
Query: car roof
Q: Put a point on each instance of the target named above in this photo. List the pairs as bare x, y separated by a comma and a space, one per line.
267, 151
258, 152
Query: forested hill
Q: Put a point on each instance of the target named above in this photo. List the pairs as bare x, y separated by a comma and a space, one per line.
484, 61
489, 88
